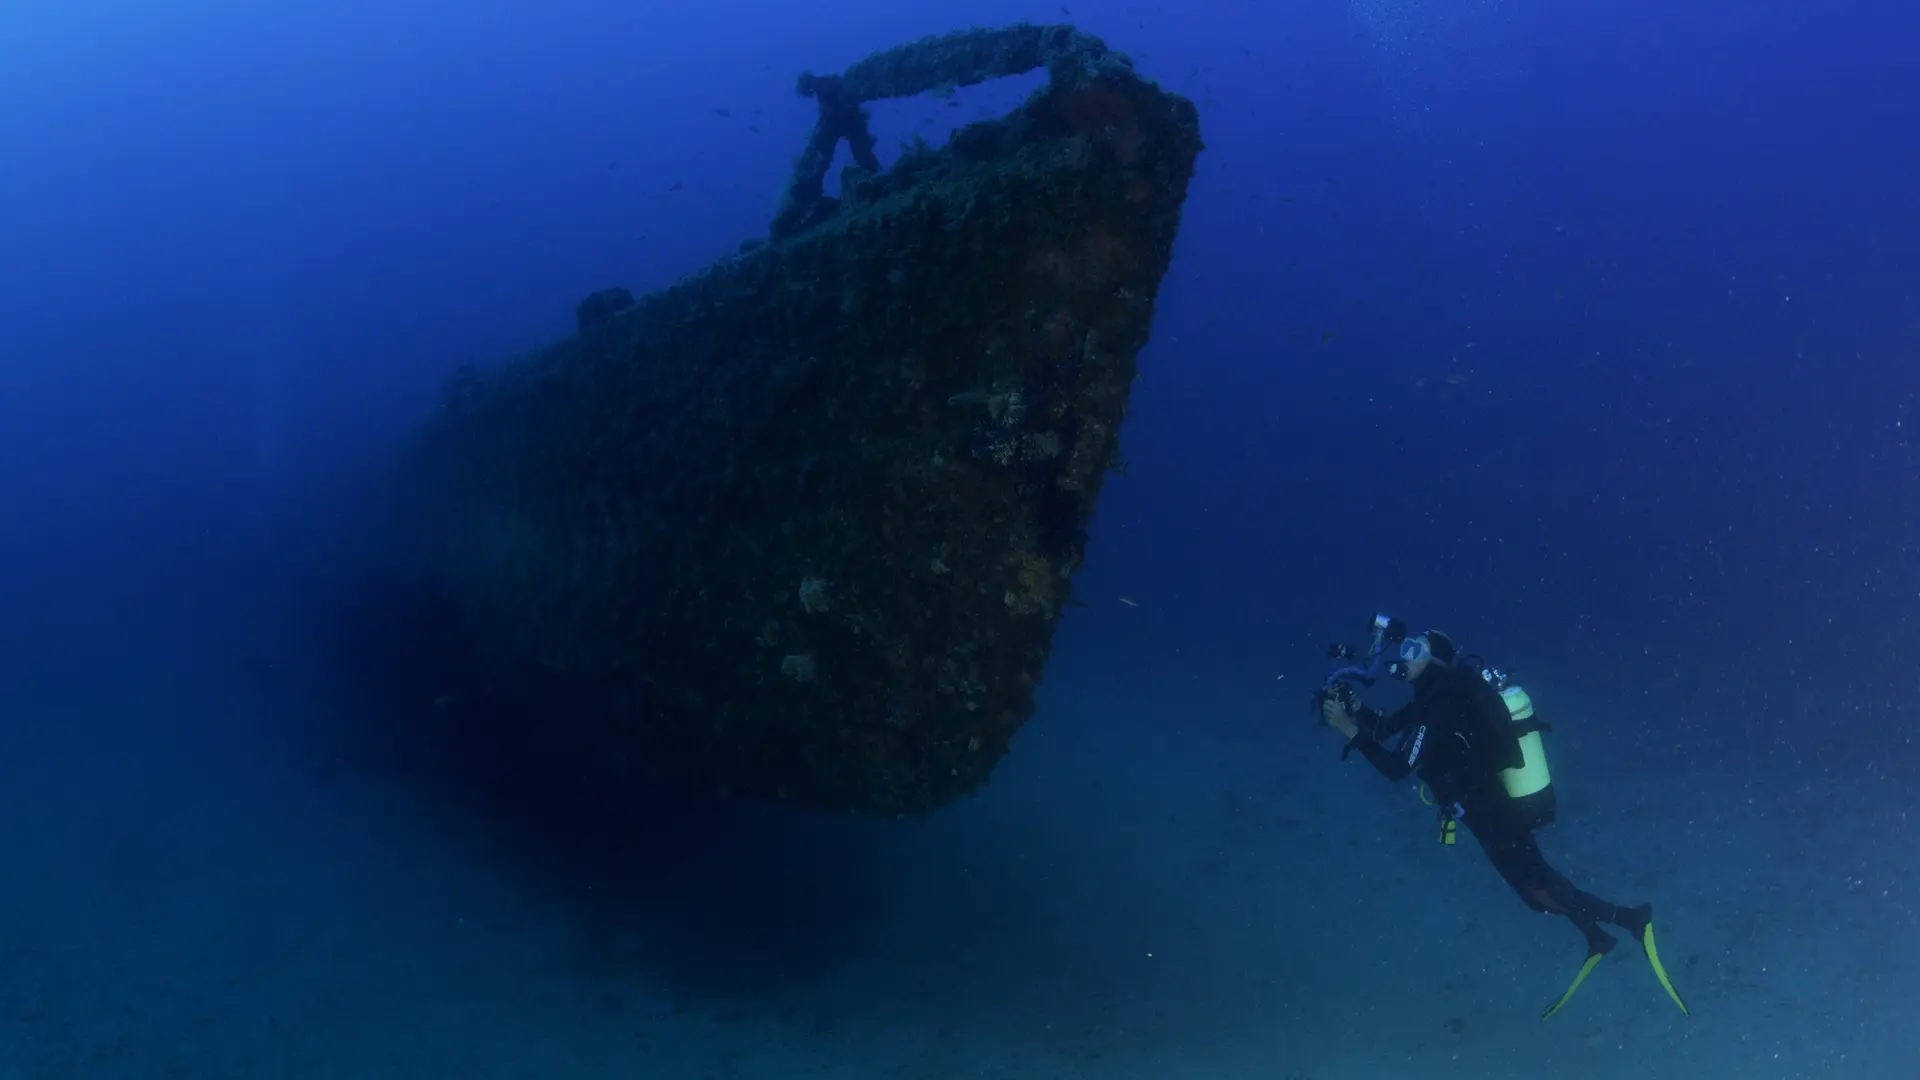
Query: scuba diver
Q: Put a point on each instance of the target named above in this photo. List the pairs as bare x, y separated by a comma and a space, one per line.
1471, 738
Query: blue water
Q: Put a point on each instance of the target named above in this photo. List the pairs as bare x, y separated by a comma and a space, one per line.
1587, 332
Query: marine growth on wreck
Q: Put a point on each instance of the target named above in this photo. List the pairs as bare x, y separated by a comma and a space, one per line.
801, 526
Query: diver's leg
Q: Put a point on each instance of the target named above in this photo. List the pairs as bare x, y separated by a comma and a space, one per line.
1516, 855
1513, 852
1633, 920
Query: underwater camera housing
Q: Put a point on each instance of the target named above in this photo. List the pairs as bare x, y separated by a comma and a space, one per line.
1343, 692
1355, 666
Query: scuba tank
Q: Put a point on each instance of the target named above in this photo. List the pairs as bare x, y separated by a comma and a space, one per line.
1530, 786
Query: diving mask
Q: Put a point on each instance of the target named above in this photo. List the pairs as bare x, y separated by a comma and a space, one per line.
1413, 651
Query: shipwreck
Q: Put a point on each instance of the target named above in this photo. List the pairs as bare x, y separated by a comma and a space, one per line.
802, 525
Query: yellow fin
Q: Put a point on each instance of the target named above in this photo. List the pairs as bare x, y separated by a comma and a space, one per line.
1593, 959
1659, 969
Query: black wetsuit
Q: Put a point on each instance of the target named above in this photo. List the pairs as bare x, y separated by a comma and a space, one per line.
1457, 736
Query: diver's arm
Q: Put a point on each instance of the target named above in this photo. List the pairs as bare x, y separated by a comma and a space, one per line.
1390, 764
1375, 723
1396, 764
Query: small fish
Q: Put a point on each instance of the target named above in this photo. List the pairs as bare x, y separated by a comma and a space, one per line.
1128, 602
723, 113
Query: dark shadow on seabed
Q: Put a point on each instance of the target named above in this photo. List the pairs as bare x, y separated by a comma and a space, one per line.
717, 899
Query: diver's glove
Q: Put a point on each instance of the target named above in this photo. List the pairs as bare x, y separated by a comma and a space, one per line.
1335, 714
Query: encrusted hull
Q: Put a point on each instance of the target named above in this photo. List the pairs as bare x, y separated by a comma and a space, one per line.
801, 526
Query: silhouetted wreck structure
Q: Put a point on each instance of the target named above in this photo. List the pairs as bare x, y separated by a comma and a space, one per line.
801, 525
